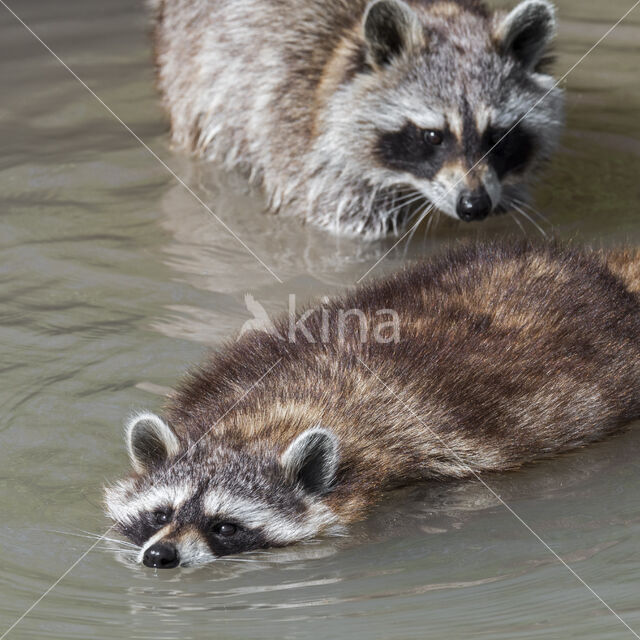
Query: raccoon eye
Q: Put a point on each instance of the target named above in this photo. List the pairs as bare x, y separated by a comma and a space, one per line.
161, 517
225, 529
433, 137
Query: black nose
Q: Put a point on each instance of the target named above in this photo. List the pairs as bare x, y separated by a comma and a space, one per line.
161, 555
474, 205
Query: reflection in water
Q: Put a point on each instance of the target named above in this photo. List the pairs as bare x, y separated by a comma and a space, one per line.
114, 280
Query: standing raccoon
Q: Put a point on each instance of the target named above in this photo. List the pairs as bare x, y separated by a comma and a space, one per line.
354, 115
499, 354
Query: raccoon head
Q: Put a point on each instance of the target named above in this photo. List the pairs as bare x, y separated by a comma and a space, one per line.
188, 504
447, 101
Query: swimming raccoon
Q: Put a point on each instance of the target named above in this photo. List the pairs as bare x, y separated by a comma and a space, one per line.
481, 360
355, 115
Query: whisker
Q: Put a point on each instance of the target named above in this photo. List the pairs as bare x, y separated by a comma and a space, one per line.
392, 201
438, 216
530, 219
246, 560
93, 536
413, 215
116, 540
515, 219
123, 543
426, 210
406, 196
533, 210
118, 551
406, 203
397, 204
431, 219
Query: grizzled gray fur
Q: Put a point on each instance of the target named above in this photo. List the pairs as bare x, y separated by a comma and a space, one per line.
353, 114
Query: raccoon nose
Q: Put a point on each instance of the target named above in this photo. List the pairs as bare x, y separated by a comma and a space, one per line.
474, 205
161, 555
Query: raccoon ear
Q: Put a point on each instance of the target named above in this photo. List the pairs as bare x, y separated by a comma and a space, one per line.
312, 459
525, 33
150, 441
390, 28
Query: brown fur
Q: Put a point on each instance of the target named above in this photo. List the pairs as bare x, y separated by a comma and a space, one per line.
507, 352
625, 263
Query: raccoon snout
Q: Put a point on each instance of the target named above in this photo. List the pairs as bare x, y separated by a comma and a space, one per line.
474, 205
161, 555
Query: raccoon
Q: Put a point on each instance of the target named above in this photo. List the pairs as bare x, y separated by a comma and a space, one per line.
502, 353
355, 115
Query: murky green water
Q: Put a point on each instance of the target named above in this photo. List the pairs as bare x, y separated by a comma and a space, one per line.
114, 279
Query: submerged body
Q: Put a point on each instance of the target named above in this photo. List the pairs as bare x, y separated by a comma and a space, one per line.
501, 354
354, 114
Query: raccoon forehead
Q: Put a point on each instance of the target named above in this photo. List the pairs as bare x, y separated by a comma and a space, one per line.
124, 503
407, 107
426, 119
251, 512
483, 116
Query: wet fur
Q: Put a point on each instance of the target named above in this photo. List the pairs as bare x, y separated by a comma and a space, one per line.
507, 353
290, 91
